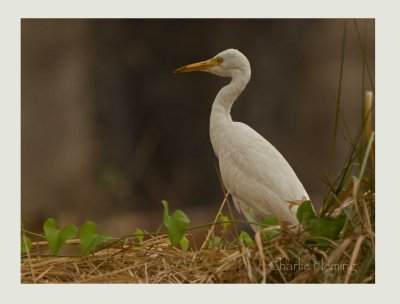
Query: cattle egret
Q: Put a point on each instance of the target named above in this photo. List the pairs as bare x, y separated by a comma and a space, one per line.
253, 171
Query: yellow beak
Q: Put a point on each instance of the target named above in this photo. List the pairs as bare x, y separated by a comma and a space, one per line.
198, 66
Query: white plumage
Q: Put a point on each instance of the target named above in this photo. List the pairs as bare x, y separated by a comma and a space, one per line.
253, 171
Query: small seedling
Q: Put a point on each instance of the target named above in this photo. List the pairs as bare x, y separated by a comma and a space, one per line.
57, 237
139, 234
215, 241
176, 225
246, 239
89, 237
224, 218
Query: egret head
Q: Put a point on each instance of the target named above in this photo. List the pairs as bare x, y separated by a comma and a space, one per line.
226, 64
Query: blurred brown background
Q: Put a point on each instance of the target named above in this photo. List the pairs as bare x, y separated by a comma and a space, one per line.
108, 131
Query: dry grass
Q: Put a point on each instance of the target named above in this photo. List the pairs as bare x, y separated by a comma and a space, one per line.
288, 258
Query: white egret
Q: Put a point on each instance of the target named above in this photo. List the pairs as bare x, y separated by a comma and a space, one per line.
253, 171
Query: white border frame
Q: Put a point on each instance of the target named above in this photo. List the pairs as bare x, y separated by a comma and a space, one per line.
387, 151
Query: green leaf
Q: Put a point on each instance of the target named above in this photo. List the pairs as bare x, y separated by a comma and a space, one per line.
224, 218
166, 217
327, 228
306, 215
177, 225
139, 234
214, 241
245, 239
55, 237
270, 221
26, 244
89, 238
180, 217
319, 227
51, 232
184, 242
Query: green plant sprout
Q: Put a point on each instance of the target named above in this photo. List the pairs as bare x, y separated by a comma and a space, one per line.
57, 237
176, 225
89, 238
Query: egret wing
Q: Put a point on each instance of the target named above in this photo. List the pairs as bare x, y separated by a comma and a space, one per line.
256, 173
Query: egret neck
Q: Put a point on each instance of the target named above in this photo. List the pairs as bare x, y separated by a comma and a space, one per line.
220, 119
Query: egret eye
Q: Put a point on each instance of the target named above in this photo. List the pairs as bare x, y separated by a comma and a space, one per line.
219, 59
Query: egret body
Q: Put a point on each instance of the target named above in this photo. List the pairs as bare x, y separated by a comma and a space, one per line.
253, 171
